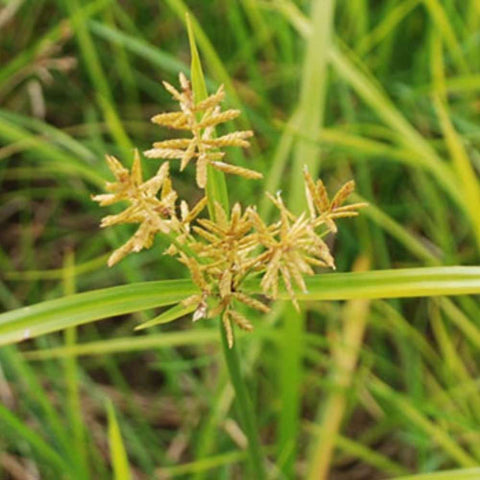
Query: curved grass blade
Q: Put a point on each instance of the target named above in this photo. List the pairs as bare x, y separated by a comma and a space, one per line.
42, 149
55, 315
12, 423
138, 343
156, 56
463, 474
413, 416
169, 316
216, 186
399, 283
118, 455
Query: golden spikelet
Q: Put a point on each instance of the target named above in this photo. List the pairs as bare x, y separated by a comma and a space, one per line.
236, 170
200, 119
324, 210
240, 320
155, 215
228, 327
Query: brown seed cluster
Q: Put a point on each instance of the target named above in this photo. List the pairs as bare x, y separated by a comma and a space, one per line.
222, 251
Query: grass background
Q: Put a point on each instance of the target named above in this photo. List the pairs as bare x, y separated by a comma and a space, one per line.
381, 91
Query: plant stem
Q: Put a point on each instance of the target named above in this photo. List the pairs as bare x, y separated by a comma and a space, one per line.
245, 409
217, 192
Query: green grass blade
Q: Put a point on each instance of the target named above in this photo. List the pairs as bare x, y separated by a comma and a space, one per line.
44, 150
433, 430
37, 400
118, 455
12, 423
55, 315
463, 474
170, 315
358, 450
312, 96
72, 377
198, 79
202, 465
59, 314
97, 75
461, 162
445, 28
391, 20
386, 110
216, 185
56, 273
128, 344
158, 58
399, 283
246, 409
311, 106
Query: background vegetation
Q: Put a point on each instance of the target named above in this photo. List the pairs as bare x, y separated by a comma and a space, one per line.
381, 91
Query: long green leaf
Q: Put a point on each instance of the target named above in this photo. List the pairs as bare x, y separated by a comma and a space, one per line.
431, 429
400, 283
121, 469
463, 474
55, 315
10, 422
311, 106
216, 186
130, 344
169, 316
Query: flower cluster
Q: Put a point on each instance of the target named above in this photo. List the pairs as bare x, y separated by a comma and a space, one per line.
222, 251
200, 120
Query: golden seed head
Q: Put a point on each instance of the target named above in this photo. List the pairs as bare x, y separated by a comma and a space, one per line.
220, 252
203, 147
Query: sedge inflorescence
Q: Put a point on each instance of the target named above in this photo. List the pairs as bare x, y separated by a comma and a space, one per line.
224, 250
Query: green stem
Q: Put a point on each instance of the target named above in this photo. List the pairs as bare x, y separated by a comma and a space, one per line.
245, 408
217, 192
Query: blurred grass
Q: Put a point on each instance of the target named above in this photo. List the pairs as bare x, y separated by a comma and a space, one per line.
399, 80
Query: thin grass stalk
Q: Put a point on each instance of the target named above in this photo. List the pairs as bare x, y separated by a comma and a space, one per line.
461, 162
97, 74
247, 415
310, 120
72, 375
345, 355
416, 418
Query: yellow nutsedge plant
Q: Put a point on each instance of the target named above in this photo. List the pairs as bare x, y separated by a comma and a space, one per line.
223, 251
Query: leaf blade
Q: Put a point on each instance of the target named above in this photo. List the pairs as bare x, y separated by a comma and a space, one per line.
118, 454
170, 315
56, 315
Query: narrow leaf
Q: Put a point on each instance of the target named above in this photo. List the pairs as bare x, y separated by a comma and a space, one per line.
198, 79
463, 474
118, 455
56, 315
399, 283
216, 186
169, 316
